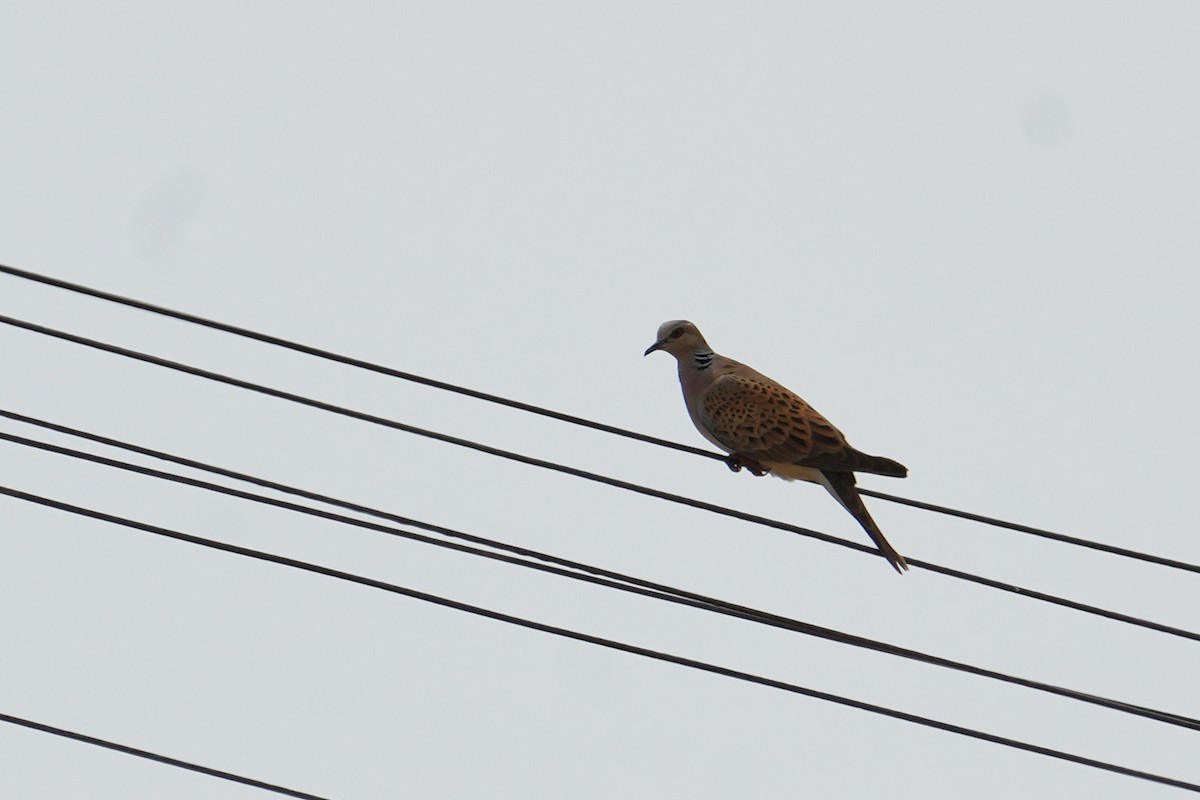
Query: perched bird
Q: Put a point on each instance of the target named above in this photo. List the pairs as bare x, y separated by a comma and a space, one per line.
768, 429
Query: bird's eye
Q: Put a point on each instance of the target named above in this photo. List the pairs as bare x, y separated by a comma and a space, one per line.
675, 334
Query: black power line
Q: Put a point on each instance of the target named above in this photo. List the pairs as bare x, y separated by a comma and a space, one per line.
586, 475
594, 575
562, 417
1149, 558
350, 361
146, 754
598, 640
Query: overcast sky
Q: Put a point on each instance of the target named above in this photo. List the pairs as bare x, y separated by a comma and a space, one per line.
968, 236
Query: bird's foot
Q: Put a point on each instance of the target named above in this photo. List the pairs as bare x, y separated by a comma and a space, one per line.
736, 462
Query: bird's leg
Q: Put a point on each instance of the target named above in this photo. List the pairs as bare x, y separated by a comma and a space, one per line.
736, 461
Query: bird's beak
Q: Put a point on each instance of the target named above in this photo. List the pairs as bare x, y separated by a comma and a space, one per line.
656, 346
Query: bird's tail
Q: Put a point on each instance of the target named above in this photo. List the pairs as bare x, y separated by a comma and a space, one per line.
842, 486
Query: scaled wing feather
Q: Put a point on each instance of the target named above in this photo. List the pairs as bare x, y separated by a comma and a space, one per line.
756, 417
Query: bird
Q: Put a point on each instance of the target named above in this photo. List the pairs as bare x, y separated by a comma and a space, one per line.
768, 429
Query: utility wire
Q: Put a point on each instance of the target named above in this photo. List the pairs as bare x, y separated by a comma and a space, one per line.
597, 640
1040, 532
591, 476
605, 578
350, 361
558, 415
146, 754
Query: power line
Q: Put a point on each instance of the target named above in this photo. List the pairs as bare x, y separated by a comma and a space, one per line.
1040, 532
597, 640
586, 475
595, 575
350, 361
560, 416
146, 754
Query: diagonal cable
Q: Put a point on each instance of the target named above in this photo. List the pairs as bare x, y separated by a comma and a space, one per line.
359, 363
146, 754
594, 575
598, 640
1149, 558
586, 475
558, 415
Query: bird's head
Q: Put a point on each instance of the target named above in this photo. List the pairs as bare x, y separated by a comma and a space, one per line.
678, 337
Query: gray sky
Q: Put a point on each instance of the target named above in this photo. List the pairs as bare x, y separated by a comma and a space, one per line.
967, 236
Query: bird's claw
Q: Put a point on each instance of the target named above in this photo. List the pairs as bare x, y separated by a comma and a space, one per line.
736, 463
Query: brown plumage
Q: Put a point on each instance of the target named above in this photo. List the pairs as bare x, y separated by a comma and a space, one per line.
768, 428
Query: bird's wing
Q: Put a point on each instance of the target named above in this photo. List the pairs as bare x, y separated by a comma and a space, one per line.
756, 417
851, 460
